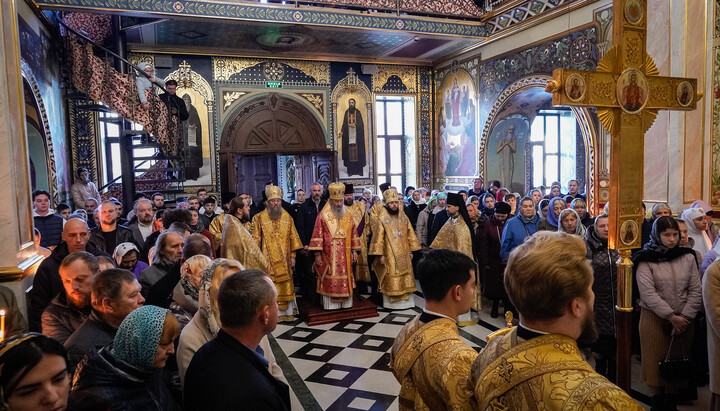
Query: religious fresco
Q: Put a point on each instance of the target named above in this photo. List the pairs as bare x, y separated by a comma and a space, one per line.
456, 126
506, 155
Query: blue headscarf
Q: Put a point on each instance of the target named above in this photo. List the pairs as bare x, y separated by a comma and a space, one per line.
138, 337
551, 214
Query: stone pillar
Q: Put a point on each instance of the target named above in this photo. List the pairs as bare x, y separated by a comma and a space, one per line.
17, 254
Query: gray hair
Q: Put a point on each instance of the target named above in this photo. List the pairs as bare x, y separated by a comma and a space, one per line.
137, 203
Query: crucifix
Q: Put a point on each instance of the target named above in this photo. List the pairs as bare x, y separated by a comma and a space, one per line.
628, 93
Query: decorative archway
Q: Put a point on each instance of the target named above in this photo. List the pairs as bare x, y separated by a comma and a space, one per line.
586, 120
268, 124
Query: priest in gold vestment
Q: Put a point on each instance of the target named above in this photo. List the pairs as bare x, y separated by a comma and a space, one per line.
236, 241
240, 208
336, 244
393, 241
429, 359
457, 234
275, 234
537, 365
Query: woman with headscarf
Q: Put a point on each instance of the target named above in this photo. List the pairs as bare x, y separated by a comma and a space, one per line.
184, 303
129, 374
126, 256
542, 208
554, 192
708, 212
490, 262
145, 83
33, 374
569, 222
487, 205
205, 325
697, 223
670, 297
555, 207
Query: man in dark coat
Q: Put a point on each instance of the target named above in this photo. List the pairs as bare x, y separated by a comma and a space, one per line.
247, 302
305, 223
175, 104
109, 233
352, 138
47, 283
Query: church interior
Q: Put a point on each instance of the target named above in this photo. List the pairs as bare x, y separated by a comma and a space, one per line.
431, 94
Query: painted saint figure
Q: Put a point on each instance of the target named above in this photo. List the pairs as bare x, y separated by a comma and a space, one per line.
632, 95
192, 130
506, 149
352, 138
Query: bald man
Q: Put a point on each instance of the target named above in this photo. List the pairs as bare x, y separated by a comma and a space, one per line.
47, 283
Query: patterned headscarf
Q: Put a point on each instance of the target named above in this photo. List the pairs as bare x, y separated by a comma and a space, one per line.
186, 272
122, 249
204, 304
138, 337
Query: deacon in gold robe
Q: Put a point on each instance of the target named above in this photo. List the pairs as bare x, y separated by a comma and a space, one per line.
236, 241
275, 234
457, 235
359, 214
538, 362
336, 244
429, 359
394, 241
240, 208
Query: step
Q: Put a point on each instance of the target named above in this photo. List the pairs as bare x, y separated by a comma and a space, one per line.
314, 314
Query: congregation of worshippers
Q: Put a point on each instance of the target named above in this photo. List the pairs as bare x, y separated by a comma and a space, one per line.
171, 308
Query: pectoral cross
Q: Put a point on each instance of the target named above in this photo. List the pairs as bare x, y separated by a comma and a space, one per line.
628, 93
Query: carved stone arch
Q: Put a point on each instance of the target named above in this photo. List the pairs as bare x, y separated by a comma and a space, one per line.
270, 123
44, 130
586, 119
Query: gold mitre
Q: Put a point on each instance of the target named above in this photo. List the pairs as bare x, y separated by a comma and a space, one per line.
337, 191
273, 192
390, 195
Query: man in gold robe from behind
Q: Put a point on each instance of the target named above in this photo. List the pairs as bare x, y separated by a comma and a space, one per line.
236, 241
393, 241
549, 281
275, 234
429, 359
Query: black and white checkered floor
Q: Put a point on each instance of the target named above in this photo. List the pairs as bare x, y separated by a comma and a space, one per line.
344, 365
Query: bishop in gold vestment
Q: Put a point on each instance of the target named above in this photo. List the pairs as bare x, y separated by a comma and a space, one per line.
548, 370
275, 234
394, 241
432, 364
336, 244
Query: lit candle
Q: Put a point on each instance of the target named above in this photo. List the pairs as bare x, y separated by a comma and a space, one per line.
2, 325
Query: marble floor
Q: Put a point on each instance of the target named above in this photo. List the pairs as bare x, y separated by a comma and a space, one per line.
344, 366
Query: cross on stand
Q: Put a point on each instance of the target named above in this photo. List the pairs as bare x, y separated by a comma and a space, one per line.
628, 93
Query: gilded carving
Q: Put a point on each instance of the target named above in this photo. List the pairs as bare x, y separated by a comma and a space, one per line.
188, 78
603, 91
229, 97
141, 58
632, 51
225, 68
406, 74
320, 71
316, 99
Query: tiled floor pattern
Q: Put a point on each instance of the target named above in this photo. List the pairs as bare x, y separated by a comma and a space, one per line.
344, 366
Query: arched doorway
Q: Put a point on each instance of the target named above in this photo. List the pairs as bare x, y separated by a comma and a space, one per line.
270, 132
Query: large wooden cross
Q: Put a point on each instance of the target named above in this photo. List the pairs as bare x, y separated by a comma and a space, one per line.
628, 93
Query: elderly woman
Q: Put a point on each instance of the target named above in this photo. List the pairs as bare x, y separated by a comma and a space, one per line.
570, 223
126, 256
185, 295
144, 83
697, 223
205, 325
33, 374
421, 229
129, 373
555, 207
670, 297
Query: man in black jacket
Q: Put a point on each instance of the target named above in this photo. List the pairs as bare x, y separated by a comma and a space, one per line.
109, 233
247, 302
305, 223
47, 283
175, 104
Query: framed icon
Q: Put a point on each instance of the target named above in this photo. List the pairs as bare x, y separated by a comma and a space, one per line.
575, 87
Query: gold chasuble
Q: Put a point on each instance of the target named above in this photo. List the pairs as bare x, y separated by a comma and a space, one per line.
238, 244
278, 240
394, 239
335, 238
545, 372
432, 364
362, 225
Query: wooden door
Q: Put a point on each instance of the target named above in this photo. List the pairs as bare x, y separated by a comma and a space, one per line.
253, 173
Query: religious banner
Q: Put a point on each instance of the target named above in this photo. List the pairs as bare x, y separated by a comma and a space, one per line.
456, 126
354, 129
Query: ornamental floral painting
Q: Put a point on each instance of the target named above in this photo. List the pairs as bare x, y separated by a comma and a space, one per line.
457, 126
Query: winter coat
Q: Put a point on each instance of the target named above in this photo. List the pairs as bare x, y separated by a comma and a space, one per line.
183, 306
711, 297
413, 212
61, 319
143, 83
516, 230
153, 274
670, 287
94, 332
603, 262
544, 225
51, 228
81, 191
306, 215
421, 227
104, 380
490, 261
122, 235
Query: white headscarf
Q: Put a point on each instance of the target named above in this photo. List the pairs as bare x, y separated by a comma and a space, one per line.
702, 241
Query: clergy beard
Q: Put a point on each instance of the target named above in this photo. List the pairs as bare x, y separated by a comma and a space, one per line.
349, 202
338, 211
274, 213
589, 332
391, 211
